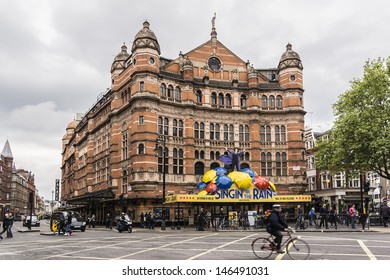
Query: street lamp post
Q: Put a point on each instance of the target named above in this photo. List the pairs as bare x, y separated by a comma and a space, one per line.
164, 154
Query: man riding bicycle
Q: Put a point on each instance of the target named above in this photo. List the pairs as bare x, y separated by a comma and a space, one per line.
276, 225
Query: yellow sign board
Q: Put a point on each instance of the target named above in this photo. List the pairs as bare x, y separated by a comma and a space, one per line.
226, 199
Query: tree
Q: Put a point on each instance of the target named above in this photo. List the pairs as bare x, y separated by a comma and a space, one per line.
360, 138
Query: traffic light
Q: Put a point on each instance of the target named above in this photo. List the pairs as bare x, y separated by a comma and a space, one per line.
366, 187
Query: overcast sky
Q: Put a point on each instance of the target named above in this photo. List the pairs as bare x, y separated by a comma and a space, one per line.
55, 56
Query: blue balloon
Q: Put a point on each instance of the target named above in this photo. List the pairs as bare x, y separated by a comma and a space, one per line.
223, 182
221, 171
201, 185
250, 172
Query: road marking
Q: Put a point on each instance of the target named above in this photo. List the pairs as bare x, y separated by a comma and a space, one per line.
368, 252
219, 247
166, 245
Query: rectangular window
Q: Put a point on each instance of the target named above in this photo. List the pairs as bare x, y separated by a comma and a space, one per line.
141, 86
141, 120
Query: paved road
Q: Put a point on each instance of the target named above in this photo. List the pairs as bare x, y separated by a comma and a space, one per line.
185, 244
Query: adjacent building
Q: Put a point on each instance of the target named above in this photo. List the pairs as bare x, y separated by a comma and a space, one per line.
166, 121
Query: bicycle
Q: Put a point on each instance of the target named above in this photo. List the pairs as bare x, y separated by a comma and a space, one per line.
301, 223
296, 249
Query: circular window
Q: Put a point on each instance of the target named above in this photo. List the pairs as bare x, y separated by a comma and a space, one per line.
292, 78
151, 60
214, 64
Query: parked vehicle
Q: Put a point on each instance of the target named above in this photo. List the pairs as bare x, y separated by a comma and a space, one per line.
124, 223
78, 222
34, 221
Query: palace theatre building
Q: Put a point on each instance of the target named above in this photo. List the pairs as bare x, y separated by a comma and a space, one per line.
165, 122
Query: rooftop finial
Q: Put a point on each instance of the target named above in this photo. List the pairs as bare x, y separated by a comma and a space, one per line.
213, 20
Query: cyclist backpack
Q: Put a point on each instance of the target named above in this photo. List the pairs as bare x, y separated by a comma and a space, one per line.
267, 214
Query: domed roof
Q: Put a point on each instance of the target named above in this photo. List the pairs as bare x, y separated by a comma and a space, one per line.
72, 125
290, 58
120, 58
145, 38
289, 54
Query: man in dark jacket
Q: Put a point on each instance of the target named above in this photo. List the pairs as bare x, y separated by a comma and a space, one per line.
385, 213
276, 225
324, 216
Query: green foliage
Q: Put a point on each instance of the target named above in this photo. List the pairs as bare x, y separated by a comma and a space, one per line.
360, 138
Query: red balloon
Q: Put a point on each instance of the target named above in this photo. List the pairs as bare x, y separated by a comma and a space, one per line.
261, 182
211, 187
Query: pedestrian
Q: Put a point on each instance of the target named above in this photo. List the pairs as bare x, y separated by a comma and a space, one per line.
333, 217
324, 217
10, 223
152, 220
299, 221
312, 217
142, 220
352, 214
93, 221
108, 220
384, 211
61, 225
68, 224
5, 225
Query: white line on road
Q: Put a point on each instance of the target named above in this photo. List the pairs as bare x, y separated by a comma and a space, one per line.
368, 252
219, 247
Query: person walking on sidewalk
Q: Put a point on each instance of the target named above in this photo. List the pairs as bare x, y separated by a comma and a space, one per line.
333, 218
10, 223
352, 213
313, 217
385, 213
5, 225
324, 217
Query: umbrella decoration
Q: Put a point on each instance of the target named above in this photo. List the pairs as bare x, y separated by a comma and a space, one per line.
261, 182
211, 187
223, 182
220, 171
201, 185
241, 179
209, 176
251, 172
219, 179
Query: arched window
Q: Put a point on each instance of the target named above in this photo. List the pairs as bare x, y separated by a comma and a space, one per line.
214, 165
231, 133
166, 126
220, 99
174, 127
247, 156
266, 164
212, 132
244, 165
201, 154
178, 93
181, 128
170, 91
199, 168
175, 157
283, 133
277, 134
163, 90
141, 149
272, 102
225, 132
212, 155
181, 161
264, 102
213, 98
278, 162
228, 100
160, 156
160, 126
196, 130
217, 155
284, 164
201, 131
244, 133
268, 133
279, 102
243, 101
199, 96
262, 134
196, 154
217, 132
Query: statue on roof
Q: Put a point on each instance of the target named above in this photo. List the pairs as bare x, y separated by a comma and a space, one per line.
213, 20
